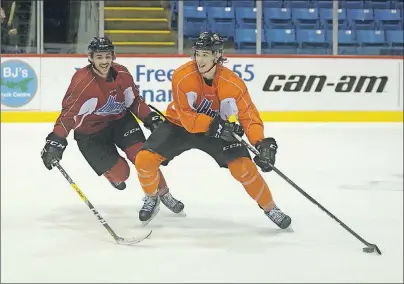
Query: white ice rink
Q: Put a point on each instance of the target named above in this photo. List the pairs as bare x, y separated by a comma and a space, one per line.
355, 170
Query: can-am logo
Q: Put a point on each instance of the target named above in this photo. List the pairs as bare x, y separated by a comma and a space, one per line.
317, 83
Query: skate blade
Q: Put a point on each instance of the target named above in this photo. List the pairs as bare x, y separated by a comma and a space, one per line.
145, 223
181, 214
289, 229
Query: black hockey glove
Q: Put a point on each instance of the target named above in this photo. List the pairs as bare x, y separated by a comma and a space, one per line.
223, 129
267, 148
152, 121
53, 150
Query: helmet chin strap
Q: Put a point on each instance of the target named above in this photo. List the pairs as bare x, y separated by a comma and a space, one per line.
214, 64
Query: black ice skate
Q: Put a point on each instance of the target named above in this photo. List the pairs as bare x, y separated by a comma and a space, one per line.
150, 209
279, 218
118, 185
173, 204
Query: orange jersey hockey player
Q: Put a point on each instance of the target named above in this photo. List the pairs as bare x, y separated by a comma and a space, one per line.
205, 95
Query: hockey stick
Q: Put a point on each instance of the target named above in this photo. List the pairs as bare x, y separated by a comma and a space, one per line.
159, 112
119, 240
369, 247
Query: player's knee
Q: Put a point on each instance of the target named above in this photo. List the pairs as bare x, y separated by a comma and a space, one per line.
147, 161
132, 151
242, 169
119, 172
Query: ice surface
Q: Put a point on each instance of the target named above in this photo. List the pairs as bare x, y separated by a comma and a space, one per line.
355, 170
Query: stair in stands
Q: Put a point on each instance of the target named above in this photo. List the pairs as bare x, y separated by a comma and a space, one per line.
139, 27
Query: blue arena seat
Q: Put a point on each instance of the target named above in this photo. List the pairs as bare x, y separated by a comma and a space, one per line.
213, 3
312, 39
326, 18
195, 21
370, 37
395, 38
388, 19
245, 39
377, 4
352, 4
193, 3
246, 18
371, 41
298, 4
325, 4
277, 18
222, 20
241, 3
305, 18
272, 3
347, 43
281, 39
361, 19
285, 20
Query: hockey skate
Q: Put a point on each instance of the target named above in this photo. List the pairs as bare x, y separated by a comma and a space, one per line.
282, 220
149, 209
173, 204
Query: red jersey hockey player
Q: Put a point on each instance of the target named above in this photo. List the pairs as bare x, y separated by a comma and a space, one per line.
99, 106
205, 95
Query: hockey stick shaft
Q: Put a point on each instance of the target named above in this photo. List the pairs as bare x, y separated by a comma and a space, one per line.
256, 152
159, 112
87, 202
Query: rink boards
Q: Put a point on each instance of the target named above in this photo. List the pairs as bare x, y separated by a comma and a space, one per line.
284, 89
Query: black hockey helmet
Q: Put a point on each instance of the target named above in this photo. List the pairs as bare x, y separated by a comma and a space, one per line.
100, 44
209, 41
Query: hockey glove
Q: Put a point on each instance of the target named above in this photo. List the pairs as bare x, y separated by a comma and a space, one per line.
152, 121
223, 129
267, 148
53, 150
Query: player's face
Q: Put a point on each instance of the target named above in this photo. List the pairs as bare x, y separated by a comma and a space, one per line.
102, 62
204, 59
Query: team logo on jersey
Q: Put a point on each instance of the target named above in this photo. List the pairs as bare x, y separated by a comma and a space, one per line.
111, 107
205, 107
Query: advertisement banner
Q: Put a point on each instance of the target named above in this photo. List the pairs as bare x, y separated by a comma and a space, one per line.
328, 84
275, 84
20, 84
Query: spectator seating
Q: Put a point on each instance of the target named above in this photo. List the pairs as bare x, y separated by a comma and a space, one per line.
364, 26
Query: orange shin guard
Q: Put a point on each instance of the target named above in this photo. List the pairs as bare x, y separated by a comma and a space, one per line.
245, 171
147, 165
131, 153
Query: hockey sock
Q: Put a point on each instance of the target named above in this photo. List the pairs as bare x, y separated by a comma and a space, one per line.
245, 171
119, 172
147, 166
131, 153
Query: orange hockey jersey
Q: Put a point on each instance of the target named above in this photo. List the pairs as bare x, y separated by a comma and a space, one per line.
195, 103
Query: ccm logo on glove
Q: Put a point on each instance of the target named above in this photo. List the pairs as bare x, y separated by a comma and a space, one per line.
55, 144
